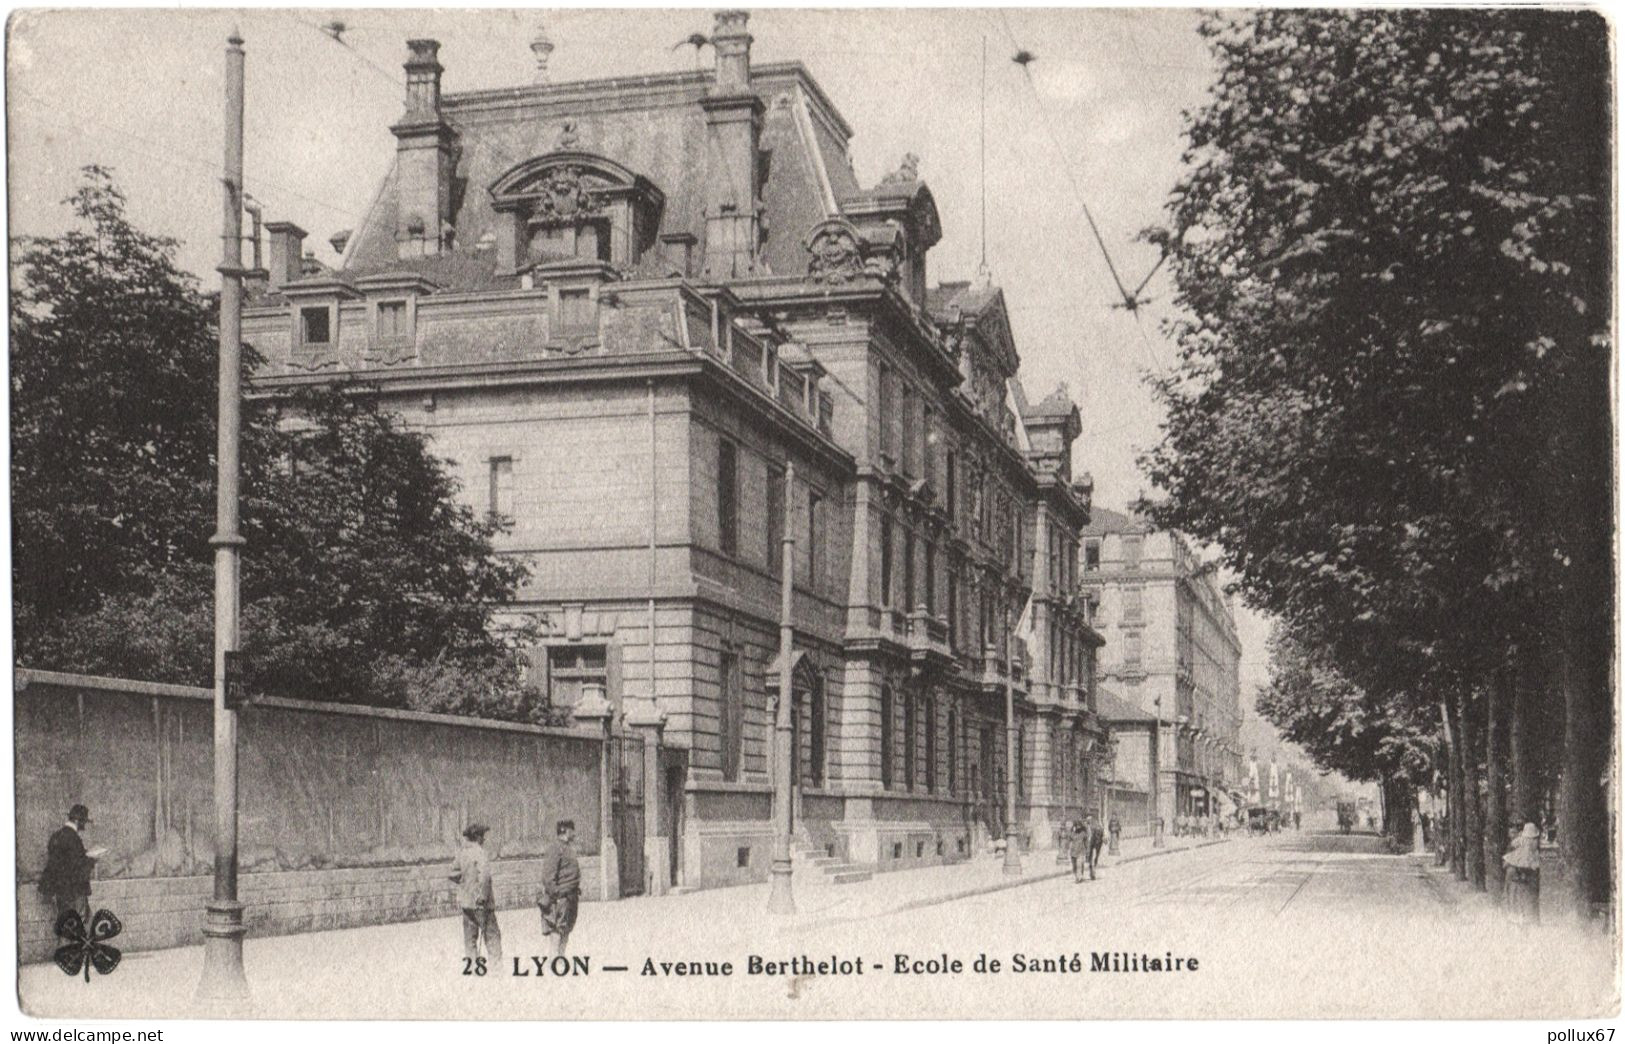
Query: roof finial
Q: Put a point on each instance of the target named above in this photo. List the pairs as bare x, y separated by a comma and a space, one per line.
541, 45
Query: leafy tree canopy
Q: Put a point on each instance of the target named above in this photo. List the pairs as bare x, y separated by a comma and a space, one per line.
363, 579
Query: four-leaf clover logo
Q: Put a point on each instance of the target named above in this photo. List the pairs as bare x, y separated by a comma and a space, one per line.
84, 946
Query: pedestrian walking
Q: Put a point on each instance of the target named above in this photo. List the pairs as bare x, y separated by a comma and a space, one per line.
476, 896
1115, 827
68, 865
561, 888
1097, 838
1523, 875
1077, 845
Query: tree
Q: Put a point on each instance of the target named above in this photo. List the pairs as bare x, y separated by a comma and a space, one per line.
1390, 408
364, 579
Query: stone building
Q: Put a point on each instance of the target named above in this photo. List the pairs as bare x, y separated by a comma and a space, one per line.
656, 322
1173, 653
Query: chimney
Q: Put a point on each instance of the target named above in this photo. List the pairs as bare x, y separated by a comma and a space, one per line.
287, 246
733, 188
425, 158
257, 280
731, 43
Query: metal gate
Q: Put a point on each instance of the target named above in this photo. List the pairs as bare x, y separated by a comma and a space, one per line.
626, 770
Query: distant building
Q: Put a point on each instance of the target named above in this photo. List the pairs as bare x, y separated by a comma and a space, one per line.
1172, 652
628, 309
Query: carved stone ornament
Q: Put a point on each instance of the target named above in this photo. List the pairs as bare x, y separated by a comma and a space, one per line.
837, 256
568, 135
564, 193
907, 171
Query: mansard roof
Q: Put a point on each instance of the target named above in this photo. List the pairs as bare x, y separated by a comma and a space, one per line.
652, 128
1104, 520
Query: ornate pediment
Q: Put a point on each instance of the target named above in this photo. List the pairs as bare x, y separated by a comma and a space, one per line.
841, 252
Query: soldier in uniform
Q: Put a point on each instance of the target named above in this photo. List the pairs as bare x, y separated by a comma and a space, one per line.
561, 887
1097, 838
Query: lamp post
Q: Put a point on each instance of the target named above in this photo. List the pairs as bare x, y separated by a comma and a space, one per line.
223, 986
781, 897
1012, 857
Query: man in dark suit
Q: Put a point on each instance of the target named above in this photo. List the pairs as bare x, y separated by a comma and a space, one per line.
561, 888
66, 879
1097, 838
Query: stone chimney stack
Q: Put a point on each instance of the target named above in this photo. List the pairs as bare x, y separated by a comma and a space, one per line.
426, 158
733, 195
731, 43
286, 249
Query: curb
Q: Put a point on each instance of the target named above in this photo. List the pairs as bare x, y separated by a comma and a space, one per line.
1001, 886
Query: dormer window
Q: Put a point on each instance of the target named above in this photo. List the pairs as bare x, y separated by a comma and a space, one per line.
571, 205
392, 325
577, 311
316, 325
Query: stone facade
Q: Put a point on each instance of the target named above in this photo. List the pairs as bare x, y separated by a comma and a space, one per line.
1175, 655
657, 323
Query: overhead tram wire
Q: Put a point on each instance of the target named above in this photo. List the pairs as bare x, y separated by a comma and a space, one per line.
1131, 300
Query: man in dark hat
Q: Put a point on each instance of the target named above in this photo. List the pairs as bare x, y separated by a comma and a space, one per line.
476, 896
1097, 838
561, 887
66, 878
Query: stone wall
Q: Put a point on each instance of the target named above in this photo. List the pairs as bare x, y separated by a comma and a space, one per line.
348, 815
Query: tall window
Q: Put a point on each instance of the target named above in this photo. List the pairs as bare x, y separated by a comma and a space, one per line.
815, 538
953, 751
953, 610
1091, 556
1132, 546
951, 484
888, 418
731, 715
910, 726
1132, 649
728, 497
908, 572
906, 402
887, 712
577, 312
886, 598
1133, 603
815, 708
930, 578
928, 441
930, 745
775, 518
500, 488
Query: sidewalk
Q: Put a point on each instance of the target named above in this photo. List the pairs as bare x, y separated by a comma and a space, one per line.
412, 969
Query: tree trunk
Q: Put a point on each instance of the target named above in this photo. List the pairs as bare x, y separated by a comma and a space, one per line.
1498, 697
1472, 804
1398, 801
1582, 818
1456, 837
1524, 738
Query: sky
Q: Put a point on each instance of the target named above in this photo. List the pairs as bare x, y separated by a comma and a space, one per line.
1094, 121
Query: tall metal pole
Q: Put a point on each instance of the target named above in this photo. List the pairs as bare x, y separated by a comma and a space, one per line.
223, 983
781, 899
1012, 854
1157, 840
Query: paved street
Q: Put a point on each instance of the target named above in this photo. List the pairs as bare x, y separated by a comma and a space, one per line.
1309, 925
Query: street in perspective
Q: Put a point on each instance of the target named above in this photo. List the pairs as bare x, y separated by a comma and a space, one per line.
968, 514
